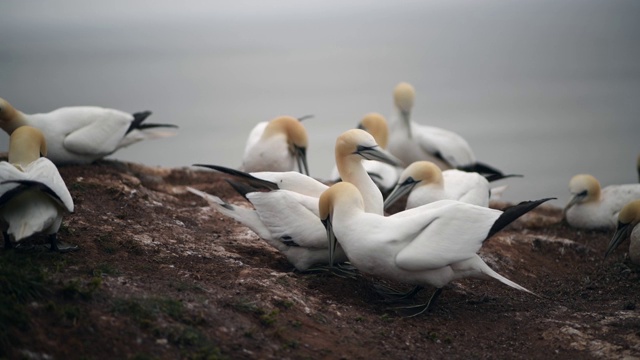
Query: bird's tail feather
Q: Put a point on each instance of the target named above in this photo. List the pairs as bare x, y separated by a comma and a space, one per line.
247, 217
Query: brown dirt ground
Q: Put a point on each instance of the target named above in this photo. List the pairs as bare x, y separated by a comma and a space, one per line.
160, 275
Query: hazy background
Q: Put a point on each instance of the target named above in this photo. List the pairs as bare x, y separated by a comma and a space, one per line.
547, 89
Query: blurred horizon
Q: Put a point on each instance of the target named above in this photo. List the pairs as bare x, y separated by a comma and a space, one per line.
547, 89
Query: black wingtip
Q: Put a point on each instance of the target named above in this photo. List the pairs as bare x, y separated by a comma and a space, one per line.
242, 188
155, 125
27, 184
481, 168
138, 118
252, 180
512, 213
496, 177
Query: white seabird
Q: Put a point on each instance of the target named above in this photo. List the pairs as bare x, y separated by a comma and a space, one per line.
83, 134
33, 196
426, 183
430, 245
289, 220
277, 145
383, 175
628, 220
275, 180
410, 141
591, 207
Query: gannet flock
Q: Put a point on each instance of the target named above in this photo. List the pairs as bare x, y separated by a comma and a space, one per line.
317, 225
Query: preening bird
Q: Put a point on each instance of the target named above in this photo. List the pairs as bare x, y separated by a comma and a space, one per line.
33, 196
277, 145
433, 244
593, 207
83, 134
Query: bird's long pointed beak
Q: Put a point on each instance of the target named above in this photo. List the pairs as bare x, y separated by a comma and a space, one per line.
574, 200
331, 237
621, 233
399, 191
378, 154
305, 117
301, 158
405, 115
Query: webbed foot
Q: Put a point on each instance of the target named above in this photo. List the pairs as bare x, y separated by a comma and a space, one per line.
415, 310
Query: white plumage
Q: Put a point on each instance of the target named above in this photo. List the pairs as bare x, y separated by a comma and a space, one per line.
33, 196
429, 245
83, 134
384, 175
289, 220
426, 183
410, 141
277, 145
593, 207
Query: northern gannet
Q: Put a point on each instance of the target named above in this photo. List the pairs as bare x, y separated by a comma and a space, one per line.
410, 141
277, 145
289, 220
383, 175
591, 207
83, 134
433, 244
426, 183
33, 196
275, 180
628, 220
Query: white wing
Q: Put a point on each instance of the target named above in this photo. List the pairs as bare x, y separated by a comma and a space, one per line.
441, 233
615, 197
254, 135
471, 188
291, 216
293, 181
45, 172
450, 146
97, 131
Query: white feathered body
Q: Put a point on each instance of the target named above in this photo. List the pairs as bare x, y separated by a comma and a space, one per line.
470, 188
293, 181
267, 154
33, 211
286, 220
603, 213
83, 134
430, 245
416, 142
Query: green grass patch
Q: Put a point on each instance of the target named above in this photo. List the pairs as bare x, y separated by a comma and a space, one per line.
76, 289
22, 280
